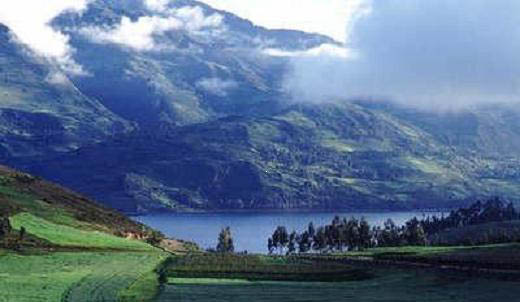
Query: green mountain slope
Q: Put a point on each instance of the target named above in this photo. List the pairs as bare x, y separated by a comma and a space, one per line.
307, 157
64, 247
56, 217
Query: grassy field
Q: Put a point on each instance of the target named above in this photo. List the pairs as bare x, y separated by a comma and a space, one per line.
386, 286
261, 268
74, 276
73, 250
64, 235
216, 278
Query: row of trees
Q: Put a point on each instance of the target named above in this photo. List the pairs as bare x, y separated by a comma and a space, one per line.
357, 234
493, 210
353, 234
345, 234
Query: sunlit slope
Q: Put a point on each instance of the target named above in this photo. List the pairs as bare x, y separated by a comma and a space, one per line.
56, 218
307, 157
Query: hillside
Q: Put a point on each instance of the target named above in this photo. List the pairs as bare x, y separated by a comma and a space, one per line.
64, 247
56, 217
307, 157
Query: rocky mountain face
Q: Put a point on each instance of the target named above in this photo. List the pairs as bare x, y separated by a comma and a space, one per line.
200, 122
190, 75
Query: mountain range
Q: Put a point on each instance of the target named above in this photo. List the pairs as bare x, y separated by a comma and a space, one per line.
197, 119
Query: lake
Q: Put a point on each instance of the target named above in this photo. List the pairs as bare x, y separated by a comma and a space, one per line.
251, 230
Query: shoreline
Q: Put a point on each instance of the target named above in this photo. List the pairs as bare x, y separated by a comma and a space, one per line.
289, 211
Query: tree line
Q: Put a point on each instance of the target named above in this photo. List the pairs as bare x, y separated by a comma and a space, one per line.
492, 210
345, 234
351, 234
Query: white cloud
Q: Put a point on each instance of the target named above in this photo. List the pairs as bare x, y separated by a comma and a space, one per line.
140, 34
57, 78
442, 54
157, 5
137, 35
324, 50
333, 18
29, 21
217, 86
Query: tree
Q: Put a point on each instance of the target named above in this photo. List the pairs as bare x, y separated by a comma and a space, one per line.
22, 234
154, 238
389, 236
414, 232
5, 228
352, 234
365, 235
311, 230
320, 240
225, 241
304, 242
270, 246
280, 238
291, 247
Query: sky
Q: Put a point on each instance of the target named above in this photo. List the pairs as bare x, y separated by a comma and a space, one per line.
440, 55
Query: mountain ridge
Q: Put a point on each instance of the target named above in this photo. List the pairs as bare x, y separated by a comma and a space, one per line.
144, 133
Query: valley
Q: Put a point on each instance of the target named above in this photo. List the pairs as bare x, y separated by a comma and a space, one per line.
166, 150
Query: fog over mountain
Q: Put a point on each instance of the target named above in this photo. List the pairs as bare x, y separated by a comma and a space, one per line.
177, 105
441, 55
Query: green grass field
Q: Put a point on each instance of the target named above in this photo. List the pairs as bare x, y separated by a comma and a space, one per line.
70, 251
75, 276
64, 235
254, 267
214, 278
387, 286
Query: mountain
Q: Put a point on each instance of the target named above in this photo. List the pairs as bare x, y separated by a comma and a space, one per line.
190, 76
336, 156
39, 115
196, 119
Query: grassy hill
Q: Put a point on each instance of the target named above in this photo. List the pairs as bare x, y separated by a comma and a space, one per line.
73, 249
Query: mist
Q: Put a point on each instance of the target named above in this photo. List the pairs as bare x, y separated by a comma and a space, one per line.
443, 55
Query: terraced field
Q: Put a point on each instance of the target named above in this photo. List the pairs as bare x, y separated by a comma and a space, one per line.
387, 286
64, 235
72, 250
72, 276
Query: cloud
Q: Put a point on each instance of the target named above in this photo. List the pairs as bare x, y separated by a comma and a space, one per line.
29, 21
137, 35
157, 5
441, 54
57, 78
328, 17
217, 86
141, 33
324, 50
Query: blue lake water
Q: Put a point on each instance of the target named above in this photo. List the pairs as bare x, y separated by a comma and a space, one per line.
251, 230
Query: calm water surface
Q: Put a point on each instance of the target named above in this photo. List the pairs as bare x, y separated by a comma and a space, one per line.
251, 230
